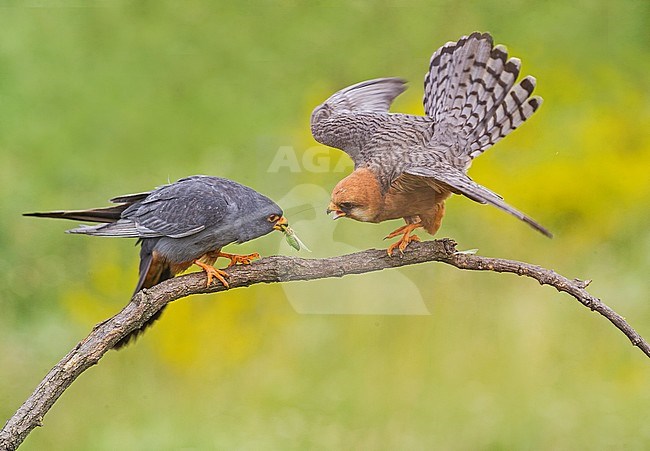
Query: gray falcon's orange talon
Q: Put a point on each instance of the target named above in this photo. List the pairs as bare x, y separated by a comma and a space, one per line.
239, 259
211, 272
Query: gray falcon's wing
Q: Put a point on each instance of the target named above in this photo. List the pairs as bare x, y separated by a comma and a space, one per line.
345, 120
176, 210
130, 198
459, 182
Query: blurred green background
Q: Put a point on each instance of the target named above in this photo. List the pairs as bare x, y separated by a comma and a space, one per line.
109, 97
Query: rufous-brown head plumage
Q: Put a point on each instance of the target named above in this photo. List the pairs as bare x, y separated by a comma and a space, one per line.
358, 196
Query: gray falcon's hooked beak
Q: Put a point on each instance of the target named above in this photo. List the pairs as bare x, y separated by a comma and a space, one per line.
281, 224
336, 213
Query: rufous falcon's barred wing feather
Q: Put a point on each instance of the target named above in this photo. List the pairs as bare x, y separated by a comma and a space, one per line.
459, 182
345, 120
470, 93
373, 96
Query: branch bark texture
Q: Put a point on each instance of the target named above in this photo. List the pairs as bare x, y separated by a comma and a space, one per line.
272, 270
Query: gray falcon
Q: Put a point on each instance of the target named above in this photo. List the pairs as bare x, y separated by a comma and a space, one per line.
180, 224
406, 166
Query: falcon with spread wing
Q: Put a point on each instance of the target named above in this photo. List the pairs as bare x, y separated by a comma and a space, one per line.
180, 224
406, 166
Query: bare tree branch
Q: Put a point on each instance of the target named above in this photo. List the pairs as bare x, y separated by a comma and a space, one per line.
268, 270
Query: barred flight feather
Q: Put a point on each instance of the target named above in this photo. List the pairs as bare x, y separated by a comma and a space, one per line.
470, 92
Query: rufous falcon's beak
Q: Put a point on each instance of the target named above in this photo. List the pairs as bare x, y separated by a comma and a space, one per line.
336, 213
281, 224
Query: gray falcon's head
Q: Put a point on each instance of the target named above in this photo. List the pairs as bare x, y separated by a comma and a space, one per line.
260, 216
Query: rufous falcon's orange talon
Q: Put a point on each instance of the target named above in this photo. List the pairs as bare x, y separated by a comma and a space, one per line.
406, 238
211, 272
239, 259
398, 231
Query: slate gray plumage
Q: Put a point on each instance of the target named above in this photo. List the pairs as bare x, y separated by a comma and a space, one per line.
178, 223
471, 101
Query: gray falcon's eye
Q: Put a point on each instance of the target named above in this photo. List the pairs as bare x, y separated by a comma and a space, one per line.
273, 218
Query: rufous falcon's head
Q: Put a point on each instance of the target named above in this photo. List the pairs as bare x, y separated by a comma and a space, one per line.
358, 196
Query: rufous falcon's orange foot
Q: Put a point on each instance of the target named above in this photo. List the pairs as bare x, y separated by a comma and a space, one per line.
211, 272
406, 238
239, 259
398, 231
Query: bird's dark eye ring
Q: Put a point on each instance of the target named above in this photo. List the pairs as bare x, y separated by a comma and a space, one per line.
273, 218
346, 205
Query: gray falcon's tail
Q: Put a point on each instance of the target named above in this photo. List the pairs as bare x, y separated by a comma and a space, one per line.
108, 217
470, 90
105, 215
